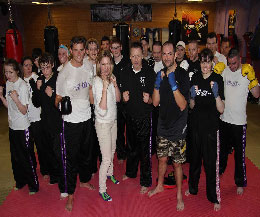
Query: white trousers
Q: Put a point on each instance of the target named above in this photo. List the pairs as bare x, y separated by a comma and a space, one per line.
107, 134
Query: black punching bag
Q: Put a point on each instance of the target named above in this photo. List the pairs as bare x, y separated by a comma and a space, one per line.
174, 31
122, 33
51, 42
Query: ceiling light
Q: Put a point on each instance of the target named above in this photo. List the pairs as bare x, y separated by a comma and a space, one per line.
195, 0
43, 3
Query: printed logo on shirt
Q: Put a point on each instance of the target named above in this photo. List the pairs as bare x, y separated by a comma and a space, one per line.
142, 81
232, 83
203, 92
83, 84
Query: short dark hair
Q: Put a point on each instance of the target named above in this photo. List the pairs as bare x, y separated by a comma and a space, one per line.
233, 53
13, 63
105, 38
36, 52
212, 35
46, 58
206, 54
92, 41
157, 43
170, 43
225, 39
26, 58
78, 40
194, 42
115, 40
136, 44
145, 38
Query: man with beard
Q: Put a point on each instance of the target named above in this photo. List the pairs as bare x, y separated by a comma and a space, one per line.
171, 91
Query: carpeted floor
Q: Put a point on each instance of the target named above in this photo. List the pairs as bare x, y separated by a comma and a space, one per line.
127, 202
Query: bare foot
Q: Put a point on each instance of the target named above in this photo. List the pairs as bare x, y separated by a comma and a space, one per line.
155, 191
125, 177
69, 204
240, 190
46, 177
143, 190
187, 192
121, 161
180, 205
217, 206
63, 196
87, 185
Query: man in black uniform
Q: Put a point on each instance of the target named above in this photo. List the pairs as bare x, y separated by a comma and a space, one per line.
120, 63
137, 86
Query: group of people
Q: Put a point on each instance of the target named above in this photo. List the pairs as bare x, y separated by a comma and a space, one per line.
163, 102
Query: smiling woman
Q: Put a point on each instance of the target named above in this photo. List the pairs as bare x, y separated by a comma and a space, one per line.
106, 94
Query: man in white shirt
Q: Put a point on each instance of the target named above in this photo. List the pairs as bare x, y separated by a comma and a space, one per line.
75, 81
181, 58
213, 46
239, 79
155, 61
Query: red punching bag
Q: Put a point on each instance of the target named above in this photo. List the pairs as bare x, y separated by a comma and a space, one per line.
13, 44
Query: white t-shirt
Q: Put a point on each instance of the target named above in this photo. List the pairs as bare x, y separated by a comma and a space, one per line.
17, 121
236, 91
221, 58
60, 68
158, 66
75, 82
109, 115
33, 112
89, 64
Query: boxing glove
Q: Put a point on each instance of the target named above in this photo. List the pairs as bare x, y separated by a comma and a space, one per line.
66, 107
219, 67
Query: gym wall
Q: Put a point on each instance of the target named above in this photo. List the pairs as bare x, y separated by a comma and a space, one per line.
74, 20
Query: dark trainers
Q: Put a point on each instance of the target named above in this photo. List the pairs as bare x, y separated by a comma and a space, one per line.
105, 196
113, 179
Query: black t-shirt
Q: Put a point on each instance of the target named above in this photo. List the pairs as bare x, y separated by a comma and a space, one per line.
194, 67
136, 84
119, 68
172, 121
205, 116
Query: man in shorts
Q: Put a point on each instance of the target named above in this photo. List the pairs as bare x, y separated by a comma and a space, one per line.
171, 91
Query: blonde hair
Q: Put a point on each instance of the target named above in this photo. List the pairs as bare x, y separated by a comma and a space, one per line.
103, 54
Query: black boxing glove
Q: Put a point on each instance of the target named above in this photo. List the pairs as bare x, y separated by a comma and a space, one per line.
66, 107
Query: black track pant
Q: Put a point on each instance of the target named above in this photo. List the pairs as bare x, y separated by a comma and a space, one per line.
36, 134
76, 154
233, 135
22, 157
205, 147
120, 142
50, 142
139, 149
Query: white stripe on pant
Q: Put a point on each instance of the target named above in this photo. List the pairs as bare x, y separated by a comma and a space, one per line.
107, 134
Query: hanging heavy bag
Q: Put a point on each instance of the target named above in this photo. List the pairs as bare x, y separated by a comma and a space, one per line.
66, 107
51, 42
13, 41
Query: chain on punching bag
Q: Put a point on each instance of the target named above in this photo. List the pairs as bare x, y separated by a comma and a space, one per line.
13, 44
51, 41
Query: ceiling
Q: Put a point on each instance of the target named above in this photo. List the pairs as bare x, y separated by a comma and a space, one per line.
67, 2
